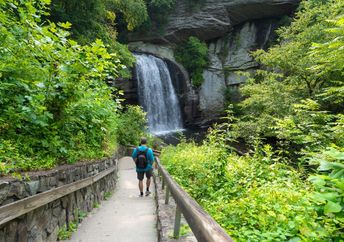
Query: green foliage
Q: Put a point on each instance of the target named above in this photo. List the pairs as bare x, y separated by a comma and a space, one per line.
307, 64
158, 12
97, 19
329, 185
184, 230
64, 233
329, 58
264, 100
292, 57
81, 215
89, 18
55, 105
132, 125
221, 134
134, 11
193, 55
255, 198
107, 195
232, 95
311, 128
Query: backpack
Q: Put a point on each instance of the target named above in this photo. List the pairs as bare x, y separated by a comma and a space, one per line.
141, 160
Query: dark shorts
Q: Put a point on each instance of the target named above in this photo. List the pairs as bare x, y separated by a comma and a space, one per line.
140, 174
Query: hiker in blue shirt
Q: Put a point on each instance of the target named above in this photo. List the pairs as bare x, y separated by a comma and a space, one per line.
144, 159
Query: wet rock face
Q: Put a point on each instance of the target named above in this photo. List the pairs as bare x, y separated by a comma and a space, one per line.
230, 54
213, 18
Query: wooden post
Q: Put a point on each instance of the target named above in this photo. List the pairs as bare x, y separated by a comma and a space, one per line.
167, 196
67, 217
177, 223
159, 173
76, 216
163, 183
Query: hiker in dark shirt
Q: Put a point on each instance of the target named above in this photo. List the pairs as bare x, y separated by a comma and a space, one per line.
144, 158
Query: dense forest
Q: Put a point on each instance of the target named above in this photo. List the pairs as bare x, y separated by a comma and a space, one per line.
58, 105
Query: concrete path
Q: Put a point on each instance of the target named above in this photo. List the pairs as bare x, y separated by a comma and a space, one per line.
125, 217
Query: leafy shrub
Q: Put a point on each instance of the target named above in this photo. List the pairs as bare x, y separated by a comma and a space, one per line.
310, 128
98, 19
329, 185
64, 233
255, 198
55, 105
265, 99
132, 126
134, 12
193, 55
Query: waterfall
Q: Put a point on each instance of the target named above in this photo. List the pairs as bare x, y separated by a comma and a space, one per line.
157, 95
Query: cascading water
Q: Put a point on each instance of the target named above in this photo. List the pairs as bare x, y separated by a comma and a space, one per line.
157, 95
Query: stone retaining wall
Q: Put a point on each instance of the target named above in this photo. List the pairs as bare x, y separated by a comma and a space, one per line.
43, 224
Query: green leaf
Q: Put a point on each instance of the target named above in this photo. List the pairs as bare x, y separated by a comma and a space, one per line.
317, 180
295, 239
325, 166
46, 2
323, 197
66, 25
336, 154
332, 207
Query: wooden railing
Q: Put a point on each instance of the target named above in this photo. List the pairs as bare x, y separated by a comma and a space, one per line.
16, 209
204, 227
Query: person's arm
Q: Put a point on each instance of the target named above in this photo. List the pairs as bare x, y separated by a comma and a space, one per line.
151, 157
134, 155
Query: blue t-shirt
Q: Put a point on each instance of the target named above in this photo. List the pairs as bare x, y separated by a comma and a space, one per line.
150, 158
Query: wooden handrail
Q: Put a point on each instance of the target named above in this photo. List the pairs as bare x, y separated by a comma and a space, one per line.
204, 227
23, 206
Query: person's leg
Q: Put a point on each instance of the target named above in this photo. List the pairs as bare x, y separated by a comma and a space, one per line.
141, 187
148, 182
140, 178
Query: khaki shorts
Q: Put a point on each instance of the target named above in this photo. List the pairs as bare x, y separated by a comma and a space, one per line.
140, 174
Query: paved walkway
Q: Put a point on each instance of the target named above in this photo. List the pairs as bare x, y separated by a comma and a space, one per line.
125, 217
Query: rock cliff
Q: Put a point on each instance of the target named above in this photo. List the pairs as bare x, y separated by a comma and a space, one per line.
212, 19
232, 29
229, 54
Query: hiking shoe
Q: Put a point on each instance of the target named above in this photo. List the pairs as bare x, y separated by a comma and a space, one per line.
147, 193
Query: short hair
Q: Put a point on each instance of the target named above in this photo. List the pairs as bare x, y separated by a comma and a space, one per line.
143, 141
